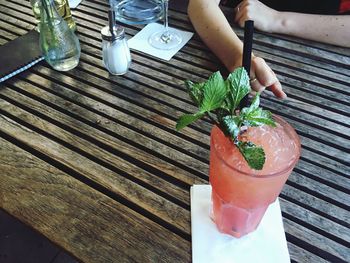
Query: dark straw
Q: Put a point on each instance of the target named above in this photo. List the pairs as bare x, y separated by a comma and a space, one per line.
111, 20
247, 52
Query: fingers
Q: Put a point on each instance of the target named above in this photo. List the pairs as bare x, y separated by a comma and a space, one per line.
241, 13
276, 89
240, 17
256, 85
265, 78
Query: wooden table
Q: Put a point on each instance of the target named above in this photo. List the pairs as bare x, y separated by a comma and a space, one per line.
94, 163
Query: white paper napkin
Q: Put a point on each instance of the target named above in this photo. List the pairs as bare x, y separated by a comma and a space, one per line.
140, 41
266, 244
74, 3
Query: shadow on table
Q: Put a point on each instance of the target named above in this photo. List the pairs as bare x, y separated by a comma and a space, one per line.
20, 244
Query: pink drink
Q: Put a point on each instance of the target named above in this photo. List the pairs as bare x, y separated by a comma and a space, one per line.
241, 195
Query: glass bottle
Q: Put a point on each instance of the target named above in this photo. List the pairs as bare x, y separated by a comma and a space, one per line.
59, 45
62, 7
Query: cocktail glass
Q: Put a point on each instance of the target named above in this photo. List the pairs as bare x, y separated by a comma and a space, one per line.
241, 195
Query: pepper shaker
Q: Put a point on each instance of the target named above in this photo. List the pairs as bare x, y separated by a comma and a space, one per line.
115, 50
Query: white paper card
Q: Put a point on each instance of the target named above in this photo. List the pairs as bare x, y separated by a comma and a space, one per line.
266, 244
74, 3
140, 41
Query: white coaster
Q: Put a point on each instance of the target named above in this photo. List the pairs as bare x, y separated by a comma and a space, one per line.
266, 244
140, 41
74, 3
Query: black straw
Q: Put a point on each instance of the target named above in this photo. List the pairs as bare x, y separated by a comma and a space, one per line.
111, 20
247, 52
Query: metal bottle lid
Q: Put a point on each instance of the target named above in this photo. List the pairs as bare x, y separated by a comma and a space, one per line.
119, 33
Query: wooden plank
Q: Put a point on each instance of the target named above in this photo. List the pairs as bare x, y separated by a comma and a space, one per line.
302, 63
152, 137
332, 195
18, 32
137, 196
10, 20
293, 77
6, 36
313, 117
325, 163
327, 177
173, 110
299, 254
18, 11
316, 205
106, 132
316, 243
88, 224
327, 227
154, 72
153, 179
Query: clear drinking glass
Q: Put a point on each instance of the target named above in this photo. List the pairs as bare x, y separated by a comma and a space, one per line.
137, 11
167, 38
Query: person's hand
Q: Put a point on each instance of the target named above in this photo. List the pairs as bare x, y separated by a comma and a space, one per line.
264, 17
262, 77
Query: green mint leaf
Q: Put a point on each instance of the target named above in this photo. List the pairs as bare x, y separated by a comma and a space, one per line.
255, 116
214, 93
253, 106
196, 91
231, 126
187, 119
254, 155
238, 87
259, 117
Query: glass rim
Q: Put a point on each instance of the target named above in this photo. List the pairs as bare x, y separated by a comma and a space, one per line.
275, 174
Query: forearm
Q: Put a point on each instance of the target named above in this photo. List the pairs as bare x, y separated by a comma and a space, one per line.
329, 29
212, 26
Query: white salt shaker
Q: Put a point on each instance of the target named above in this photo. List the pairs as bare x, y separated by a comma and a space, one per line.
116, 53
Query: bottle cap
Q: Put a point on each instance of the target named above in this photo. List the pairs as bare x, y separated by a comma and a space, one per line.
119, 33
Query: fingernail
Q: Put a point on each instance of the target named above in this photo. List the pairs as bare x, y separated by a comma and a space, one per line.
261, 89
283, 95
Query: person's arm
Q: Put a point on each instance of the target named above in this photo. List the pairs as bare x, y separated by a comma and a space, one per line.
214, 29
322, 28
212, 26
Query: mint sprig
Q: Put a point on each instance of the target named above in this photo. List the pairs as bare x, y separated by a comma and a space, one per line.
214, 93
238, 83
222, 98
254, 155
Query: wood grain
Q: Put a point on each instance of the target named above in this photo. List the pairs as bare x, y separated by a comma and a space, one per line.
88, 224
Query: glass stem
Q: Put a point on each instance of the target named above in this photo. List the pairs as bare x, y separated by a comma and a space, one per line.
166, 35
